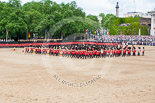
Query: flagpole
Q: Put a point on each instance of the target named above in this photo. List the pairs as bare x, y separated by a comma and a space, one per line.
45, 34
62, 35
139, 32
27, 34
6, 35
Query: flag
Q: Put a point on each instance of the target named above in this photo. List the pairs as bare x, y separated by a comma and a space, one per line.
105, 32
6, 35
89, 31
86, 31
7, 32
108, 33
29, 35
95, 31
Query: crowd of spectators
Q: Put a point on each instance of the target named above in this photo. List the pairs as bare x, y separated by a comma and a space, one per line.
130, 40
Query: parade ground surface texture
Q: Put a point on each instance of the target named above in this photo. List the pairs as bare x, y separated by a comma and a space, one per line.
59, 74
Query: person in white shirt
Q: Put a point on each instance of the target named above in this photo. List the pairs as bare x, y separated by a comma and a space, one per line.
102, 52
139, 50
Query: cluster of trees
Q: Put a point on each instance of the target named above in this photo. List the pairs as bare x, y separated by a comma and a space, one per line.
113, 23
66, 19
132, 29
46, 15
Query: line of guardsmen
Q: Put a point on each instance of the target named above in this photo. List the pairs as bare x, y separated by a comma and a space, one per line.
87, 52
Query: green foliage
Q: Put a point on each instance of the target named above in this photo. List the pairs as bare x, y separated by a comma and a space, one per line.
37, 17
12, 19
113, 23
93, 17
144, 30
107, 20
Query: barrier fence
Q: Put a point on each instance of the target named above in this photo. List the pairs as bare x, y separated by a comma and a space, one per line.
48, 44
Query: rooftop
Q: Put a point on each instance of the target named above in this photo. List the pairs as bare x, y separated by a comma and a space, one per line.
134, 12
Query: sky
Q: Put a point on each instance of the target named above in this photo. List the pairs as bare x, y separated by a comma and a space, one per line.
95, 7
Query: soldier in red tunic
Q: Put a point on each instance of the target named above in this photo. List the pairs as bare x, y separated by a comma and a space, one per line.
129, 52
134, 51
143, 51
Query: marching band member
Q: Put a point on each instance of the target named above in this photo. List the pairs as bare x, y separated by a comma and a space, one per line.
86, 51
139, 50
143, 51
134, 51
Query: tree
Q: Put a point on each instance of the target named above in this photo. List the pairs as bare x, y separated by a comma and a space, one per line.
15, 3
12, 19
37, 17
93, 17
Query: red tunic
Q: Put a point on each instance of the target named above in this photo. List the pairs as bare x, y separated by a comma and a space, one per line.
113, 51
84, 53
134, 51
55, 51
108, 51
31, 49
44, 50
124, 51
94, 52
90, 53
64, 52
105, 51
129, 51
73, 52
143, 51
69, 52
79, 52
99, 52
117, 51
87, 53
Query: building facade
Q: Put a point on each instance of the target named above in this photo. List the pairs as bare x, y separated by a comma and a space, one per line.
146, 22
153, 24
140, 14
